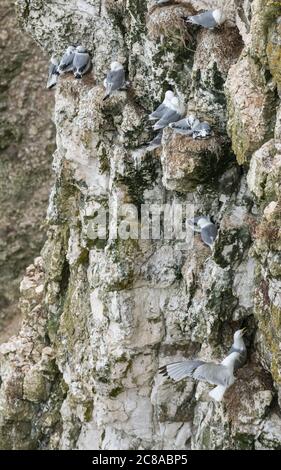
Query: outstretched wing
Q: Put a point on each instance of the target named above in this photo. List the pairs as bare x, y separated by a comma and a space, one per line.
180, 370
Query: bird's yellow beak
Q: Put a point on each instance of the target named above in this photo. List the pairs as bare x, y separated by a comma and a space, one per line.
243, 330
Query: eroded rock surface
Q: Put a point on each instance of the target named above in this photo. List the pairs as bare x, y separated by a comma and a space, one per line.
111, 311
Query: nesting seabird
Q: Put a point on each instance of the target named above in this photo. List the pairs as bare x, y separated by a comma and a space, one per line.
221, 375
82, 63
53, 73
163, 107
115, 79
209, 19
185, 126
206, 228
174, 113
66, 62
201, 130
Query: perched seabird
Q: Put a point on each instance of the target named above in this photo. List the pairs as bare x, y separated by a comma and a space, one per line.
174, 112
206, 228
202, 130
81, 62
185, 126
115, 79
221, 374
162, 108
66, 62
209, 19
53, 73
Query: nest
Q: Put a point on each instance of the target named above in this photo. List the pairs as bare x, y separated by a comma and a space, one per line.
167, 22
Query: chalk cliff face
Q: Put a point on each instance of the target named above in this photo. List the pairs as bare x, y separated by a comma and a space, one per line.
100, 316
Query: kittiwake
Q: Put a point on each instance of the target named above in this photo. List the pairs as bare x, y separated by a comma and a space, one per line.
206, 228
221, 374
201, 131
174, 112
82, 62
209, 19
162, 108
66, 62
53, 73
115, 79
185, 126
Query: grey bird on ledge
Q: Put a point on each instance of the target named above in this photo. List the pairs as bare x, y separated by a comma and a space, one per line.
221, 375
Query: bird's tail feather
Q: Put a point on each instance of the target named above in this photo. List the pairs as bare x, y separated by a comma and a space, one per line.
217, 393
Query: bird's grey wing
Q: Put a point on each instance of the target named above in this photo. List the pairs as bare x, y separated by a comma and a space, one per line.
115, 80
52, 76
157, 140
81, 62
180, 370
167, 118
214, 374
66, 61
209, 233
205, 19
159, 112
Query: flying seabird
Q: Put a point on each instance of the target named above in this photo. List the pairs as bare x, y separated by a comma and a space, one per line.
115, 79
221, 375
209, 19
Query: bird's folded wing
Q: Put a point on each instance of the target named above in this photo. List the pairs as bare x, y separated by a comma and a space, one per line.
158, 113
180, 370
169, 116
205, 19
214, 374
81, 61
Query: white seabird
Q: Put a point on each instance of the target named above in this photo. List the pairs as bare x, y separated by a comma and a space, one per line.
174, 112
185, 126
201, 131
66, 62
209, 19
115, 79
221, 375
81, 62
206, 228
53, 73
163, 107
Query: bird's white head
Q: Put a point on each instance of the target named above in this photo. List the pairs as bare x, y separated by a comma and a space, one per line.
239, 334
81, 49
219, 16
115, 66
54, 60
169, 95
203, 221
70, 49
